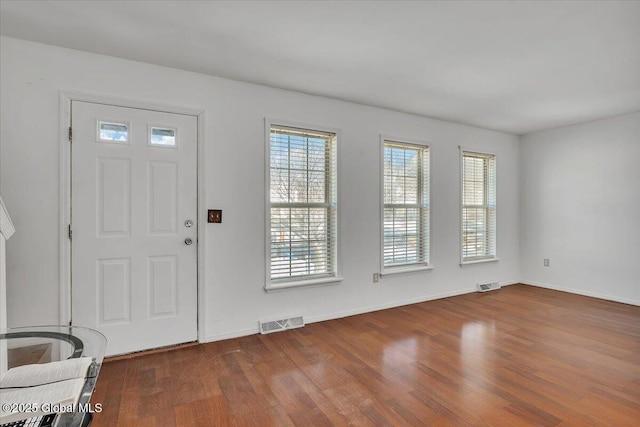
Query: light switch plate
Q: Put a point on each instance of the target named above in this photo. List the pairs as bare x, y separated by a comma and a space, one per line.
214, 216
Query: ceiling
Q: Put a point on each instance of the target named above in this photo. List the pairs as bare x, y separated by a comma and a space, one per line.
517, 67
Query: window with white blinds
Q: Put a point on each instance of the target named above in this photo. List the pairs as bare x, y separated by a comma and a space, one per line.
406, 205
478, 206
302, 205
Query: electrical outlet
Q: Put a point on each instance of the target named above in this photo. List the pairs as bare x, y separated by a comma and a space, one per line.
546, 262
376, 277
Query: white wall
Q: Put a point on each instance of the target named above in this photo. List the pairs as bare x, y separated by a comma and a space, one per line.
32, 76
580, 206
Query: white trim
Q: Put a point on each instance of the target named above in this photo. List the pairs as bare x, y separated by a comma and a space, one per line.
233, 334
337, 277
606, 297
267, 203
479, 261
381, 203
64, 208
420, 144
391, 271
281, 286
130, 103
477, 150
66, 97
202, 222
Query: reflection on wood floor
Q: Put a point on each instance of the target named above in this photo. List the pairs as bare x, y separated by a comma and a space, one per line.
518, 356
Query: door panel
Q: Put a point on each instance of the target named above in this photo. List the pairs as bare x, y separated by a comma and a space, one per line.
113, 196
114, 290
163, 197
133, 185
163, 283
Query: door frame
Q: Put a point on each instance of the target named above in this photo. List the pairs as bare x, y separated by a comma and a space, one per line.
64, 211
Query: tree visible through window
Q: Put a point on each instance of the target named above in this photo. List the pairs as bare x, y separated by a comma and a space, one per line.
478, 206
406, 204
303, 204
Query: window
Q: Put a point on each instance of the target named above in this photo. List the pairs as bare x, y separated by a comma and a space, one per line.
478, 207
302, 211
406, 205
162, 137
113, 132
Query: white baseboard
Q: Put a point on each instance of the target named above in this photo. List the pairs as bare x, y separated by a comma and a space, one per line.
378, 307
582, 292
370, 309
232, 334
353, 312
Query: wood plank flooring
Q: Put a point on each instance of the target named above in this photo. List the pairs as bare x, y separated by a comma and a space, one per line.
518, 356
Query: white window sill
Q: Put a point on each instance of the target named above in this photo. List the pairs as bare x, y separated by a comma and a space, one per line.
478, 261
401, 270
281, 286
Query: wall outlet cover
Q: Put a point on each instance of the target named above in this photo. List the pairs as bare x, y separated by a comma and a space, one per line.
214, 216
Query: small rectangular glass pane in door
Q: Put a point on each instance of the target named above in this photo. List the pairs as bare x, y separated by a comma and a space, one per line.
113, 132
163, 137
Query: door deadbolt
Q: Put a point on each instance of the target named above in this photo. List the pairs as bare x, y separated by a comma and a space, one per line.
188, 241
188, 223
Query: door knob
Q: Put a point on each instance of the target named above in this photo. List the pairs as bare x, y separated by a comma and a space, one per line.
188, 241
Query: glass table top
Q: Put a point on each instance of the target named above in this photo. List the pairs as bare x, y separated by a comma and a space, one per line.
41, 345
44, 344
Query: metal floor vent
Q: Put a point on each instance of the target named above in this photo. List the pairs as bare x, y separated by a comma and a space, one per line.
270, 326
489, 286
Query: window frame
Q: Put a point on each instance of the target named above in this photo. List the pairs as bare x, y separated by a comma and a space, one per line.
334, 276
493, 255
423, 265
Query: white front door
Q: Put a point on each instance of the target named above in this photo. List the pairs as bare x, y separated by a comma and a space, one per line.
133, 222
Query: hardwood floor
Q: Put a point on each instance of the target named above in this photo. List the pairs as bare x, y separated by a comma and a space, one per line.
518, 356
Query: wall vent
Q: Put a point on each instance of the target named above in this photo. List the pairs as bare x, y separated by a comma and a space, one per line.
488, 286
269, 326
